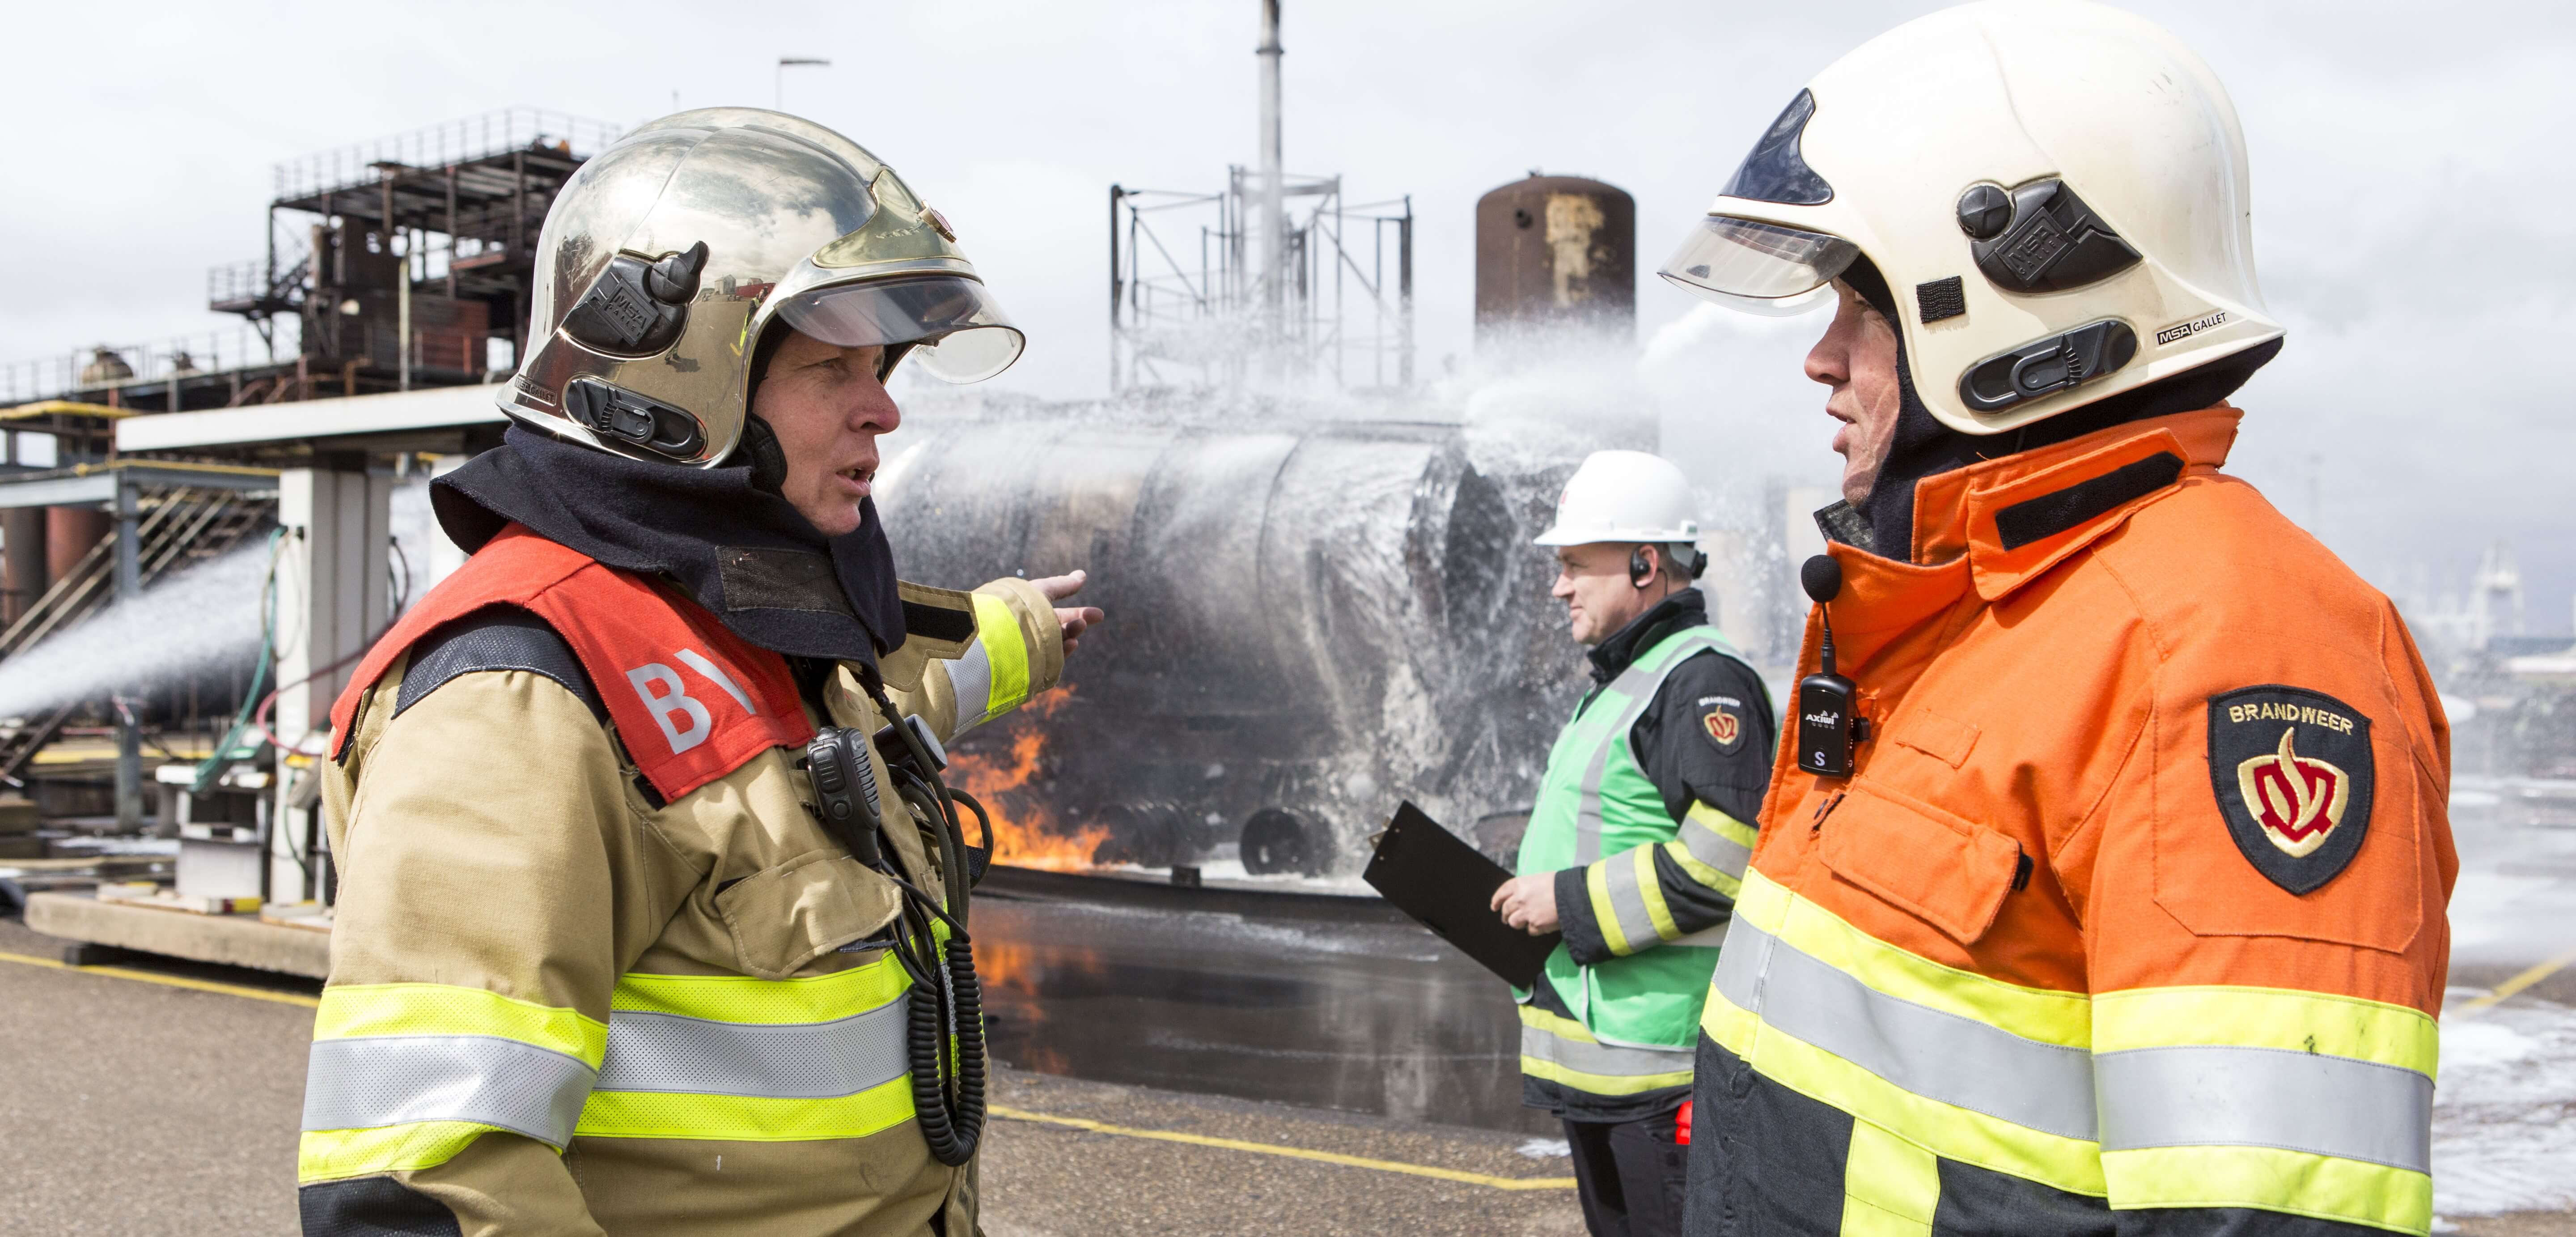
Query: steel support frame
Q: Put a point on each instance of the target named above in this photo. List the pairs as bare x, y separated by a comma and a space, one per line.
127, 506
333, 600
1152, 293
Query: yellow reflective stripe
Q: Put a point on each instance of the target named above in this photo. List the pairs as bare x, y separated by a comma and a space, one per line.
736, 998
2062, 1018
328, 1155
1650, 888
745, 1118
357, 1010
2271, 1179
1605, 913
1890, 1186
2289, 1020
1722, 825
1588, 1047
1728, 841
997, 628
1560, 1027
1690, 865
2070, 1164
1730, 1025
1602, 1084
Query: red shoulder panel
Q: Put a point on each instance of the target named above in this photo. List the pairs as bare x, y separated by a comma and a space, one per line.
692, 701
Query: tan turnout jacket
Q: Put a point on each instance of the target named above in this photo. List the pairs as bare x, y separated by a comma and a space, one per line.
559, 1004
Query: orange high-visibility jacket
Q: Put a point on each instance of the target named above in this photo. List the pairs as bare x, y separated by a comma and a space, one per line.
2130, 917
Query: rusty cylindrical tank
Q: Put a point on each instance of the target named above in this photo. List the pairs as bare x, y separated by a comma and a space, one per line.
1556, 252
69, 534
22, 560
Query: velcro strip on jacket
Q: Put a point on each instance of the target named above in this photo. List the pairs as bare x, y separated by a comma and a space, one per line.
691, 700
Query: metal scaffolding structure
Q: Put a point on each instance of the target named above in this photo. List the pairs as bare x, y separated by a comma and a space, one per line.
421, 251
393, 264
1331, 307
1291, 280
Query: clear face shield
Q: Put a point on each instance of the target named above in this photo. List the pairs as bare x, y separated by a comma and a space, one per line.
954, 328
1760, 268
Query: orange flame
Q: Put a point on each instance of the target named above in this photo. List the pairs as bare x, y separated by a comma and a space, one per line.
1027, 833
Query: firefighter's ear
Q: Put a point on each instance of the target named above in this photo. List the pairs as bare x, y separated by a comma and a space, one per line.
1641, 568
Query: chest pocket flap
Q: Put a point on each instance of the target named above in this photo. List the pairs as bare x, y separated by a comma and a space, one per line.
784, 917
1950, 873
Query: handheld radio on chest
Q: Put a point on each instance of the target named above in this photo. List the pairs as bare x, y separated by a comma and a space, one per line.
1828, 724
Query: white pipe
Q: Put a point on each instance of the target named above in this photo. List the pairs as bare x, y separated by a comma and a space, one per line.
1274, 238
402, 313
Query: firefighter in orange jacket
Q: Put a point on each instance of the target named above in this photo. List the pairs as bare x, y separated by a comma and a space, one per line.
653, 911
2121, 910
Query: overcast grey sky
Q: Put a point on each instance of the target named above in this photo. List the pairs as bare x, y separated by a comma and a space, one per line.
2411, 169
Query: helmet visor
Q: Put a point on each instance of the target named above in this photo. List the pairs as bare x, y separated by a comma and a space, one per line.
1760, 268
958, 332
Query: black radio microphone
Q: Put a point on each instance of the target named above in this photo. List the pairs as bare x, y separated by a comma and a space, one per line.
1827, 725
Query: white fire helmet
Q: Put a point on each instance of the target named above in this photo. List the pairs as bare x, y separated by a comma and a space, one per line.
2055, 192
1627, 496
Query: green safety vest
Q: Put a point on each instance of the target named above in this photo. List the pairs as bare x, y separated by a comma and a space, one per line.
1636, 1017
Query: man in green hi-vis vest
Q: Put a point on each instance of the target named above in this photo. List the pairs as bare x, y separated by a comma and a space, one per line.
1637, 841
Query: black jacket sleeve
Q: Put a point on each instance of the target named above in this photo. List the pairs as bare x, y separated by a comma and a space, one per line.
1708, 737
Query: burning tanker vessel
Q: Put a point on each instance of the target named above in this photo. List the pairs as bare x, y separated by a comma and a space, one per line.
1317, 607
1307, 624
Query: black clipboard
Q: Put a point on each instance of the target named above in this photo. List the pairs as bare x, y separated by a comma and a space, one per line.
1446, 885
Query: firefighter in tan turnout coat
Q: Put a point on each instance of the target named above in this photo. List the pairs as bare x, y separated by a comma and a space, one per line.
611, 954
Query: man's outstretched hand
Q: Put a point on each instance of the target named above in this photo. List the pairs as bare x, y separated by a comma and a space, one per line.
1074, 619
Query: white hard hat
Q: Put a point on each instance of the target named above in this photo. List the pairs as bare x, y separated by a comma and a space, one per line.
1623, 496
2055, 192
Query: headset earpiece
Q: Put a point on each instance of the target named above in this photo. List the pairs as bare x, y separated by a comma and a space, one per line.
1641, 574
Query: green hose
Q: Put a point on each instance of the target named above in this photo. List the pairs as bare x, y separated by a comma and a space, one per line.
229, 750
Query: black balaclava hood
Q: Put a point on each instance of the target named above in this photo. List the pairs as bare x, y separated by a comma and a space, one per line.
1924, 446
724, 534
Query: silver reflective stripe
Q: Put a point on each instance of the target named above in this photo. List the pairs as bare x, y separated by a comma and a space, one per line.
1637, 684
1628, 902
2266, 1097
802, 1060
1604, 1060
355, 1084
1711, 937
1932, 1053
971, 675
1715, 849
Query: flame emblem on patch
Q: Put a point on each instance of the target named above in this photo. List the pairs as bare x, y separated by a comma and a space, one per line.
2298, 800
1722, 726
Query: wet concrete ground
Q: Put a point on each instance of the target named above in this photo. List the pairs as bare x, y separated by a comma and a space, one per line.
1051, 1180
1345, 1008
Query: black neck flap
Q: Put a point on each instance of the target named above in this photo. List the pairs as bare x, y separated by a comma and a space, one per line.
742, 551
1682, 608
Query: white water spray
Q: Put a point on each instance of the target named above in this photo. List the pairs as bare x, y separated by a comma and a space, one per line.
204, 617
